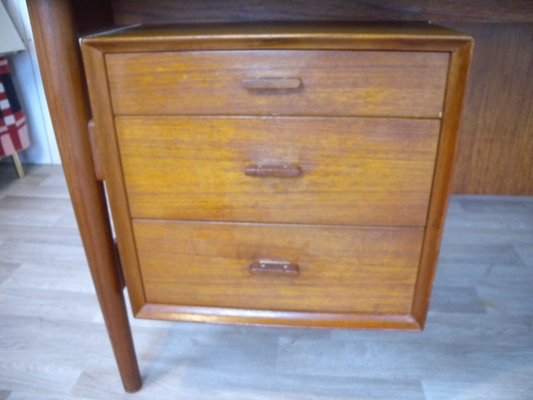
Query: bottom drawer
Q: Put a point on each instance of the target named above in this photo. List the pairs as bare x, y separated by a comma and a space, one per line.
333, 269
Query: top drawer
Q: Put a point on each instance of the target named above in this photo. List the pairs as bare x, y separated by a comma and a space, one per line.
285, 82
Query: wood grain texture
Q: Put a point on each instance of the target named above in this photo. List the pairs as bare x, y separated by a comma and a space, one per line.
457, 80
374, 36
396, 84
174, 11
106, 145
495, 154
298, 319
496, 139
58, 51
182, 39
348, 276
342, 270
276, 29
97, 158
354, 171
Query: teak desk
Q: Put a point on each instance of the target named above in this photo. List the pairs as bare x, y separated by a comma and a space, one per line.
286, 174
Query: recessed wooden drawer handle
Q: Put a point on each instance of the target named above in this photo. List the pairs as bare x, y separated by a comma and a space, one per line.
273, 171
272, 83
274, 267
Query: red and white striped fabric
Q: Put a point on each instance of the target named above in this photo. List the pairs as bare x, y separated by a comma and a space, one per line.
13, 128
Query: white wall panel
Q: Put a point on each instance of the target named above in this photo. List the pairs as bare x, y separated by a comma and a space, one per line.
27, 78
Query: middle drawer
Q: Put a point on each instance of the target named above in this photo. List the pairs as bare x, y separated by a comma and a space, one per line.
348, 171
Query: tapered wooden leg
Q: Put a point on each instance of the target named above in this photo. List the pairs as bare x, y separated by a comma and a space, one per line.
59, 58
18, 165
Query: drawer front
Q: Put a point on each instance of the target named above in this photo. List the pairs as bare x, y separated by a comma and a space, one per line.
339, 269
340, 170
345, 83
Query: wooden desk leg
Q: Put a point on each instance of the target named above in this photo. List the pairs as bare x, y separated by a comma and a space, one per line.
18, 165
59, 58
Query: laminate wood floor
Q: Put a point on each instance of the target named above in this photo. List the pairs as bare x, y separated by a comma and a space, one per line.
478, 343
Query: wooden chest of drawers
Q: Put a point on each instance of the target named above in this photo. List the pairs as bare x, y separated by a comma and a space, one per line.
286, 175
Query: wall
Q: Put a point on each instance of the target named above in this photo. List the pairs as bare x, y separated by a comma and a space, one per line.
30, 90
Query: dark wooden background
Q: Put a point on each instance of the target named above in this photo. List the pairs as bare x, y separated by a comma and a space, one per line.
495, 154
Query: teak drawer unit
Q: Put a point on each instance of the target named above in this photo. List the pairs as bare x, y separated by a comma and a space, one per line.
285, 174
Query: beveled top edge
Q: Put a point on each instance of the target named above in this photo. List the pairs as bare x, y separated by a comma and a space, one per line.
273, 30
